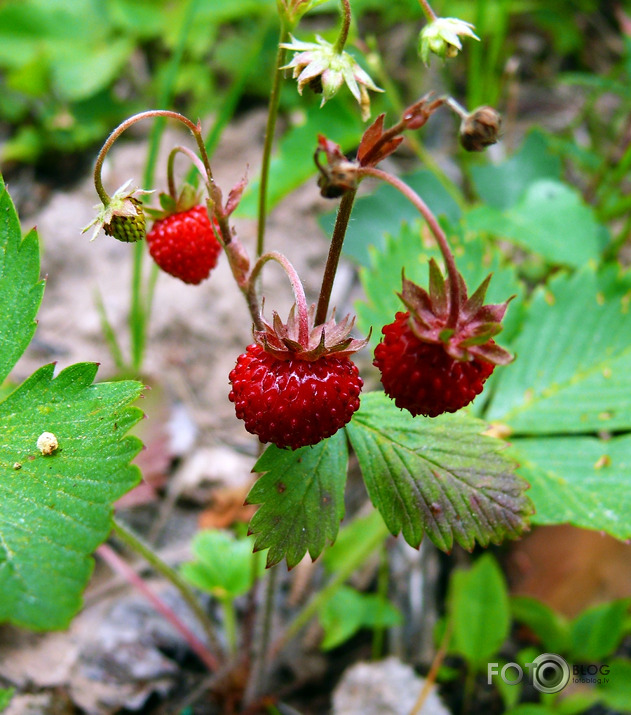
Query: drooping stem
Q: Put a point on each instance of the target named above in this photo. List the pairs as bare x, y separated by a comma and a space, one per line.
194, 128
272, 116
134, 543
119, 565
435, 228
333, 259
296, 285
171, 166
338, 48
427, 10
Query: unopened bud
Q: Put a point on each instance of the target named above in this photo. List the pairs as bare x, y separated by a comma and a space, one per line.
480, 129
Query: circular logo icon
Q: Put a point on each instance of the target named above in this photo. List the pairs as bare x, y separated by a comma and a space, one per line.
551, 673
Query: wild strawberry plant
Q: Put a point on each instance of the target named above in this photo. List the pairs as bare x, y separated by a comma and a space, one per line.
440, 342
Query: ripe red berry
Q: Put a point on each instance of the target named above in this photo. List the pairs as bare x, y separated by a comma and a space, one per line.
183, 244
421, 376
294, 402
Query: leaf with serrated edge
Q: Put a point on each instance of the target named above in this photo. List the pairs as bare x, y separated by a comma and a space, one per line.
20, 288
57, 508
573, 373
301, 494
583, 481
440, 476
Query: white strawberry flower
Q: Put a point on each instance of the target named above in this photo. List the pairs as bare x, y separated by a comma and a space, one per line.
442, 37
325, 69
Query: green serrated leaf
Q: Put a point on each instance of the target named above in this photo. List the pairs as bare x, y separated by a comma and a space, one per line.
502, 185
551, 219
440, 476
573, 367
479, 612
301, 494
57, 508
582, 481
551, 627
20, 288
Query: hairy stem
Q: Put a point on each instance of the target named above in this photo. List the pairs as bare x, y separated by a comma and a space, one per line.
120, 566
296, 285
134, 543
427, 10
272, 116
435, 228
171, 166
333, 259
338, 48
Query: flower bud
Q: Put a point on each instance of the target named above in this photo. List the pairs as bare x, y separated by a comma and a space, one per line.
442, 37
480, 128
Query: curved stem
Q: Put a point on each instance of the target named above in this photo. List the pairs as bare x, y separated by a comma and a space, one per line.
338, 48
435, 228
333, 259
272, 116
194, 128
134, 543
296, 285
171, 165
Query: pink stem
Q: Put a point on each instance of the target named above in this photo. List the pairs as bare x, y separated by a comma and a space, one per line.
435, 228
296, 284
124, 569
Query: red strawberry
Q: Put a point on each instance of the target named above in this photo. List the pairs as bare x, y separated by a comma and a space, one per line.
436, 357
296, 388
294, 402
422, 377
184, 245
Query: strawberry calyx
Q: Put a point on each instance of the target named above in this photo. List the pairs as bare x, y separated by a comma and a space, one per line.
289, 340
170, 205
465, 333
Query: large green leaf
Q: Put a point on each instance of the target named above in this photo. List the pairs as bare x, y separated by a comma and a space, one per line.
573, 367
20, 288
437, 476
479, 612
301, 494
551, 219
579, 480
502, 185
57, 508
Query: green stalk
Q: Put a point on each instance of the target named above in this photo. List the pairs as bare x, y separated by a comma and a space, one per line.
272, 116
141, 301
230, 623
134, 543
324, 595
383, 578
